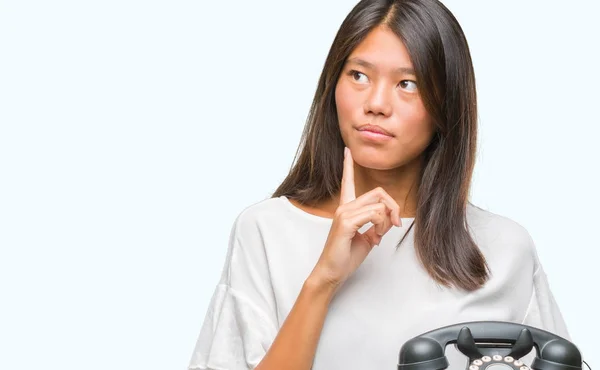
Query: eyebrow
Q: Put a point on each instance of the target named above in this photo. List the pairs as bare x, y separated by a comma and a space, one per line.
369, 65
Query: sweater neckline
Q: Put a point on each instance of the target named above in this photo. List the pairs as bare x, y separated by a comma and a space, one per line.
305, 214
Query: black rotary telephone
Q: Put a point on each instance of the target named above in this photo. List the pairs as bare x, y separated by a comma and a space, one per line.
490, 345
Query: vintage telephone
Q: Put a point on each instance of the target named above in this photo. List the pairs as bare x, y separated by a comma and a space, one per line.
490, 345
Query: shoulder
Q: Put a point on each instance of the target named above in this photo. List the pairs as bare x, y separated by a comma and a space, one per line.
252, 216
497, 233
482, 218
246, 240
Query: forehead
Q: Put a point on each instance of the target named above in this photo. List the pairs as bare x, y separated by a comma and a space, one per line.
382, 48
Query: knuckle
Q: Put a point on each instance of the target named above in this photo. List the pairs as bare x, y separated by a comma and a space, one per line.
373, 191
345, 223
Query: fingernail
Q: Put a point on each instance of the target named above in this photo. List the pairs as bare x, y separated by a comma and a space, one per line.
345, 151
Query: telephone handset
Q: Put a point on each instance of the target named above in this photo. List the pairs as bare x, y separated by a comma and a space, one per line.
490, 345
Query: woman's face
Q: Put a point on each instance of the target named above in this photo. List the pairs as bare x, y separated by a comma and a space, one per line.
377, 87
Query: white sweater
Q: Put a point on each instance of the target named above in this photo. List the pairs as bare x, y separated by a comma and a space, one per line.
390, 298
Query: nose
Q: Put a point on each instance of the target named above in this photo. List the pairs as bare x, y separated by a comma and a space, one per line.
379, 100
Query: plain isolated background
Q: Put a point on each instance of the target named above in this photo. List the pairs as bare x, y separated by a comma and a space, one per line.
134, 132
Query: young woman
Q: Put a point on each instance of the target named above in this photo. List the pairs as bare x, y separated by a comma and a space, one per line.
361, 249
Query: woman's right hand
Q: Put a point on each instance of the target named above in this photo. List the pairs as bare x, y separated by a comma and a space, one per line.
346, 248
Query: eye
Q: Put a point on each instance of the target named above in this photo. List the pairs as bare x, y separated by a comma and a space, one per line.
358, 74
409, 85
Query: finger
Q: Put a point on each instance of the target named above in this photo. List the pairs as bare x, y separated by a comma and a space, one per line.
380, 195
381, 208
374, 197
358, 220
385, 226
347, 192
372, 236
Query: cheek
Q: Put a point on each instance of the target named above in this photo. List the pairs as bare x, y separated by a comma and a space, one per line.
345, 103
417, 125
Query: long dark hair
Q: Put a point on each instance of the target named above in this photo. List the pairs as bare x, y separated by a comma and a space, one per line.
442, 62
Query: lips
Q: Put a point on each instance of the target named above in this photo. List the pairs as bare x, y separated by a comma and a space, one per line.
376, 129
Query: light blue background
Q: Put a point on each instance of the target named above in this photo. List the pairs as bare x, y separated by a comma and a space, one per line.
132, 133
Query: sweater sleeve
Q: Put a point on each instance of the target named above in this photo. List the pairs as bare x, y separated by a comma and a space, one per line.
543, 311
240, 323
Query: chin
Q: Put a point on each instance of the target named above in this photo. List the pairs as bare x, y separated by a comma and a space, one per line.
374, 158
